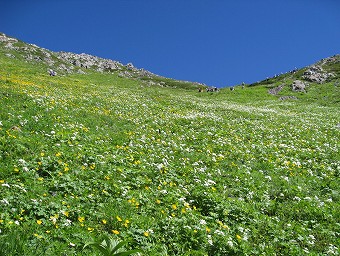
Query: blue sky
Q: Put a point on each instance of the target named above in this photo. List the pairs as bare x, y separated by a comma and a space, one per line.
216, 42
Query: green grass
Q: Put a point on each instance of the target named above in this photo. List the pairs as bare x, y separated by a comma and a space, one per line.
170, 170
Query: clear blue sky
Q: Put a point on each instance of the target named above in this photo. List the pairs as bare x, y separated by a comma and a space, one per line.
217, 42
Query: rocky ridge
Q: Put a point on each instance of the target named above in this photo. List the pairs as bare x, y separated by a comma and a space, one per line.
67, 62
298, 80
319, 72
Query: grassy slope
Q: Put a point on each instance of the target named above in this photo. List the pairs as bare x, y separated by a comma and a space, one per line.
174, 171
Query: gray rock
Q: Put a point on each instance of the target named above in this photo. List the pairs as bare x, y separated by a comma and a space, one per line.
288, 98
9, 55
298, 86
316, 74
4, 38
130, 66
276, 90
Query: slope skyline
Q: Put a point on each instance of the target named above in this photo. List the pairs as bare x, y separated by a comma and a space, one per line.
211, 42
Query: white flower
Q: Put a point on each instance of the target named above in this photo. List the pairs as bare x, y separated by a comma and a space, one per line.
268, 177
22, 161
67, 222
297, 198
230, 243
4, 201
219, 232
203, 222
210, 240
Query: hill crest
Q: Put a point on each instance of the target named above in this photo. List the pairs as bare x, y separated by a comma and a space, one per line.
325, 70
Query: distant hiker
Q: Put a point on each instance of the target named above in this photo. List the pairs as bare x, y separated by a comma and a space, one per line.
243, 84
52, 72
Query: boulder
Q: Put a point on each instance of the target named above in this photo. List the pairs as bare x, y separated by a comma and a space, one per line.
130, 66
298, 86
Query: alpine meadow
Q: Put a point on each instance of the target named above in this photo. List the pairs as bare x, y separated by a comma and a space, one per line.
101, 158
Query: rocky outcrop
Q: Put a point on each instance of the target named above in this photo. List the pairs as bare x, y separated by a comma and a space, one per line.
316, 74
89, 61
67, 62
322, 71
276, 90
298, 86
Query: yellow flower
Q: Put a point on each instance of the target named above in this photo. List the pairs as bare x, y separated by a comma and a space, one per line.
118, 218
66, 213
90, 229
116, 232
40, 179
146, 233
207, 229
158, 201
38, 236
39, 222
2, 181
58, 154
42, 154
174, 206
238, 237
104, 222
54, 218
81, 219
126, 223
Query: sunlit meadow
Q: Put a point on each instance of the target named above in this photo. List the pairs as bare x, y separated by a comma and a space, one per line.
170, 170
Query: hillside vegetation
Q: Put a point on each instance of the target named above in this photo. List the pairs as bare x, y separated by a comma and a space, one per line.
170, 170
